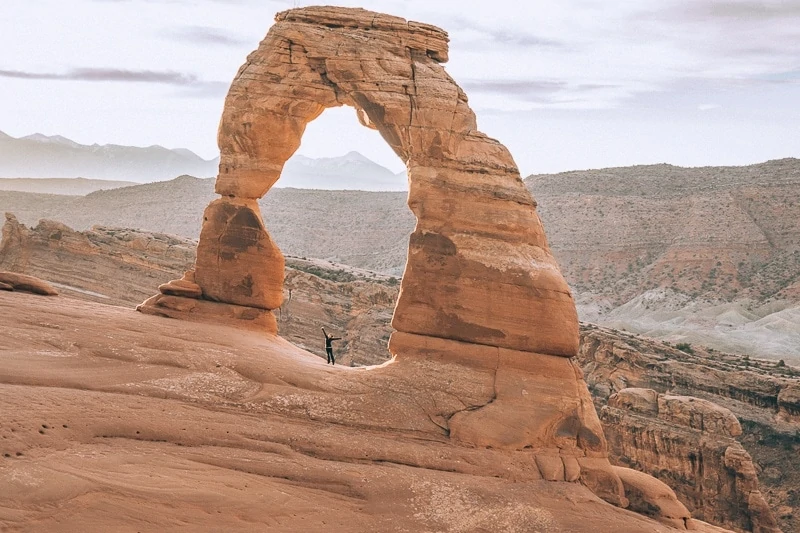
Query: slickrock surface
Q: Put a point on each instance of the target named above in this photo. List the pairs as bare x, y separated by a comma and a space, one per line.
360, 308
644, 388
113, 419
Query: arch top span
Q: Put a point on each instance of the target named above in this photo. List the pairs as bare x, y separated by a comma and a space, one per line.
479, 268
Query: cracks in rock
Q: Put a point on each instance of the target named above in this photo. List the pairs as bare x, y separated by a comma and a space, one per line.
477, 407
411, 102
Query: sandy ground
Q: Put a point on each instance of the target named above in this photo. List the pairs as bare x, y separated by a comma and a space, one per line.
116, 421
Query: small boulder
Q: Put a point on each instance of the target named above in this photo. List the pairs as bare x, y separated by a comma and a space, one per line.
649, 496
640, 400
21, 282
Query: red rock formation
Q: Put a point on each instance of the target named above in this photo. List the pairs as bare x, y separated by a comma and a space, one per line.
481, 289
11, 281
479, 269
689, 444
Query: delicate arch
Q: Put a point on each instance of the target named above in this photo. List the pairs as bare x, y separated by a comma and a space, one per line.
479, 268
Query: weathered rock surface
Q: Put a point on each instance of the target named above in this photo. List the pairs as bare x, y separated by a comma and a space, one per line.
757, 392
689, 444
12, 281
114, 420
479, 269
651, 497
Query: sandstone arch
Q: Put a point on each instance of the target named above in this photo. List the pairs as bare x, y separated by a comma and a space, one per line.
479, 269
481, 290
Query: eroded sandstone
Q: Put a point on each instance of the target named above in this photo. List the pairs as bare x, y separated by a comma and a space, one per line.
480, 287
11, 281
689, 444
479, 268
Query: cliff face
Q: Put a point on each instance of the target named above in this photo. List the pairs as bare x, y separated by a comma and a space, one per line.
689, 444
707, 464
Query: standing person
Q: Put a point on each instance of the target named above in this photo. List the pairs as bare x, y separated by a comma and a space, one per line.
329, 347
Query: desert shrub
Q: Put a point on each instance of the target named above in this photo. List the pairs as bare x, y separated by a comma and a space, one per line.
684, 347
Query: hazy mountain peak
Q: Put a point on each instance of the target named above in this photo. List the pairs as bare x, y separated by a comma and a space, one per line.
357, 156
51, 139
185, 152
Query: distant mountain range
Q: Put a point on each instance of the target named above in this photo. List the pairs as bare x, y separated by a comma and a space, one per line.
41, 156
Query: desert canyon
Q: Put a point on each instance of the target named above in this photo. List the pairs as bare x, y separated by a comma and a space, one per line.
492, 409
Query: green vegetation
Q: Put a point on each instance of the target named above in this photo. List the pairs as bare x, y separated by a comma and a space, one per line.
684, 347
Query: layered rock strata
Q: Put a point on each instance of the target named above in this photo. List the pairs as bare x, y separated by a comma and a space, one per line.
761, 394
479, 268
690, 444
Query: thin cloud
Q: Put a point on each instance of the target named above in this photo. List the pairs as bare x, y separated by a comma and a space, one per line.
108, 74
515, 87
502, 36
205, 35
190, 85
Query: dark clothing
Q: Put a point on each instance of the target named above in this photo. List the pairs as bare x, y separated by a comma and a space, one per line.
331, 358
328, 341
329, 347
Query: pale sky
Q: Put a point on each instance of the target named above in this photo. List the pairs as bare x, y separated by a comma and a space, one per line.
565, 84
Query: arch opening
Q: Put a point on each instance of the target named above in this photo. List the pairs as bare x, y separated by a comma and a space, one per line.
349, 267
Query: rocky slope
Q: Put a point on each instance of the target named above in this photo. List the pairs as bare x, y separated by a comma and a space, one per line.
763, 395
722, 233
113, 419
603, 226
